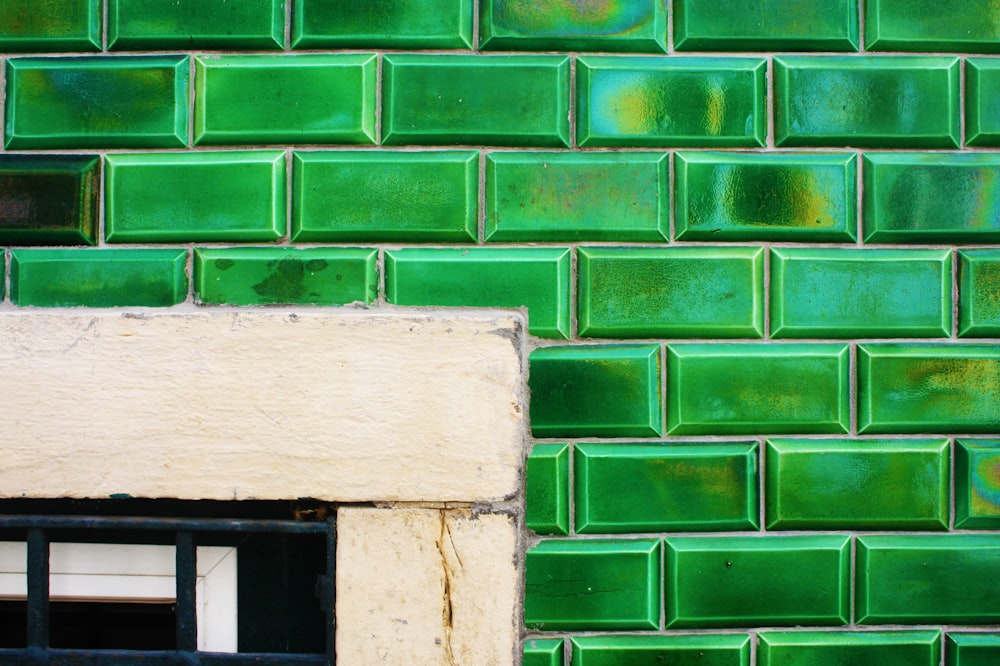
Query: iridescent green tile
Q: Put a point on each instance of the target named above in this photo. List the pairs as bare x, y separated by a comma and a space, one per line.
928, 579
50, 25
548, 196
98, 278
301, 276
547, 489
686, 292
196, 24
596, 391
385, 195
650, 650
592, 584
897, 484
883, 101
720, 389
928, 388
195, 197
656, 488
766, 25
49, 199
841, 293
386, 24
840, 648
753, 581
568, 25
97, 102
982, 102
977, 484
973, 649
678, 101
932, 198
962, 26
285, 99
542, 652
765, 196
533, 277
520, 100
979, 293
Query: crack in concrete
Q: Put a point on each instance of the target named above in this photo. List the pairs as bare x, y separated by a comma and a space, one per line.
449, 558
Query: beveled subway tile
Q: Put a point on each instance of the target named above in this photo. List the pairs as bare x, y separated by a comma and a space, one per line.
982, 102
677, 101
269, 275
715, 581
979, 293
841, 293
742, 389
428, 24
549, 196
50, 25
542, 652
883, 101
596, 391
655, 488
196, 24
286, 99
648, 650
49, 199
963, 26
928, 388
928, 579
972, 649
931, 197
97, 102
195, 197
592, 584
836, 648
857, 484
520, 100
765, 196
977, 484
565, 25
678, 292
547, 489
384, 195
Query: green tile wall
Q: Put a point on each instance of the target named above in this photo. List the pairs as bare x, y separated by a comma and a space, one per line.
757, 242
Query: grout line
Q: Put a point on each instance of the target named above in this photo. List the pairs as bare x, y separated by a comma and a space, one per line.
100, 223
769, 102
670, 28
955, 294
671, 196
862, 42
852, 391
380, 297
571, 490
105, 16
663, 585
475, 25
664, 387
8, 257
574, 279
859, 192
852, 582
189, 267
287, 36
378, 99
192, 93
3, 102
572, 103
766, 300
952, 445
286, 238
961, 102
761, 485
481, 200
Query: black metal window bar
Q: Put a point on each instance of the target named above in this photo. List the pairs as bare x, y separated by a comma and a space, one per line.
38, 533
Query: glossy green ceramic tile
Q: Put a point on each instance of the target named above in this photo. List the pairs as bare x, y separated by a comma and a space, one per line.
973, 649
388, 24
841, 648
195, 197
262, 99
50, 25
979, 293
596, 391
196, 24
97, 102
542, 652
963, 26
884, 101
687, 292
657, 488
766, 25
98, 278
708, 650
977, 484
593, 585
757, 581
932, 198
537, 278
765, 196
757, 388
547, 489
49, 200
857, 484
267, 275
385, 196
838, 293
928, 388
493, 100
982, 102
928, 579
548, 196
569, 25
677, 101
